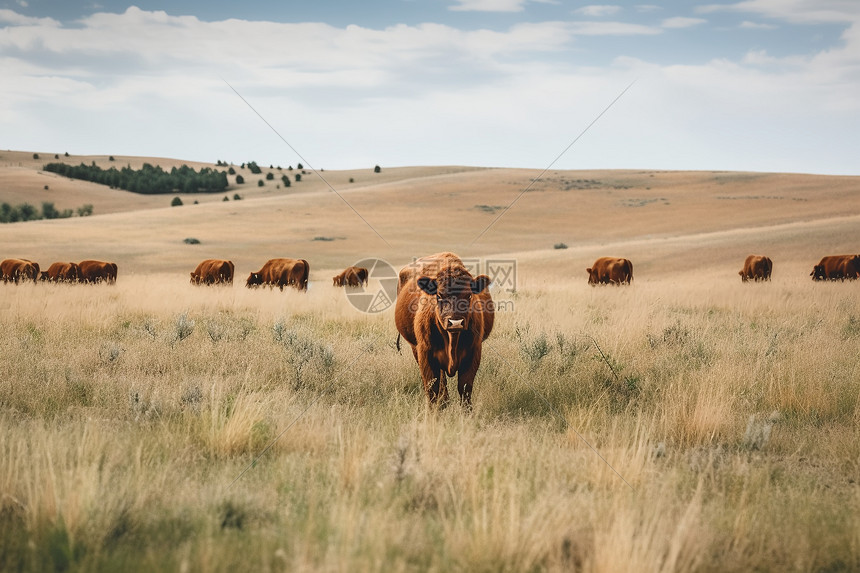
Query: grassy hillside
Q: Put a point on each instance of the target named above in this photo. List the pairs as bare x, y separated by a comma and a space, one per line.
688, 422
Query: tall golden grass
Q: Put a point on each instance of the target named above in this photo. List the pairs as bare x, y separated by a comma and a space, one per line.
684, 424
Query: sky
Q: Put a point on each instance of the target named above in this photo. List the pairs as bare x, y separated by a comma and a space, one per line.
752, 85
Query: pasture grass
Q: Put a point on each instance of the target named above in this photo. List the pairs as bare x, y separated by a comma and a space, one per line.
667, 426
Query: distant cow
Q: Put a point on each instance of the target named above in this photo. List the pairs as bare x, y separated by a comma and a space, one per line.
62, 272
351, 276
19, 269
610, 270
213, 271
93, 272
837, 267
445, 315
756, 268
280, 273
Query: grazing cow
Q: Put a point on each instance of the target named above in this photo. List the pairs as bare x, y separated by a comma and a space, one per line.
351, 276
757, 268
610, 270
281, 273
19, 269
93, 272
213, 271
837, 267
444, 314
62, 272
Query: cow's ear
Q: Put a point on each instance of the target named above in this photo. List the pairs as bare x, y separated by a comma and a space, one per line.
428, 285
480, 283
588, 270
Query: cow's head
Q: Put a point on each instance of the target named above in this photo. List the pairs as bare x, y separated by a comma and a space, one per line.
818, 273
44, 276
593, 276
74, 273
453, 290
853, 267
254, 279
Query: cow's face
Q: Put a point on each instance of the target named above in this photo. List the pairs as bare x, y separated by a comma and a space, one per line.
44, 276
817, 273
453, 293
254, 279
593, 279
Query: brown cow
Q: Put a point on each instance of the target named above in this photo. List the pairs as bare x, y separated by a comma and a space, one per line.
19, 269
213, 271
281, 273
837, 267
62, 272
93, 272
444, 314
351, 276
757, 268
610, 270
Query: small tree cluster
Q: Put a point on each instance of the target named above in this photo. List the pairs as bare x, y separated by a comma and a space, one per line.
27, 212
147, 180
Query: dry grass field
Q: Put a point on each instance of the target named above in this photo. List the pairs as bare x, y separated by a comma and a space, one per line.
688, 422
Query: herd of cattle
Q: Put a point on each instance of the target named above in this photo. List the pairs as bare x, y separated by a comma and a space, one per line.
295, 272
612, 270
89, 271
442, 311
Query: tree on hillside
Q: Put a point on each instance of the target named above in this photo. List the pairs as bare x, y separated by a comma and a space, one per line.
177, 202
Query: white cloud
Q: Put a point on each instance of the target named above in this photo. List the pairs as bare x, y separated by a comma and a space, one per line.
613, 29
682, 22
489, 5
796, 11
15, 19
598, 10
748, 25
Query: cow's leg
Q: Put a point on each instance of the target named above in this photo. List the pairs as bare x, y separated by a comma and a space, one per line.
441, 389
466, 375
431, 372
